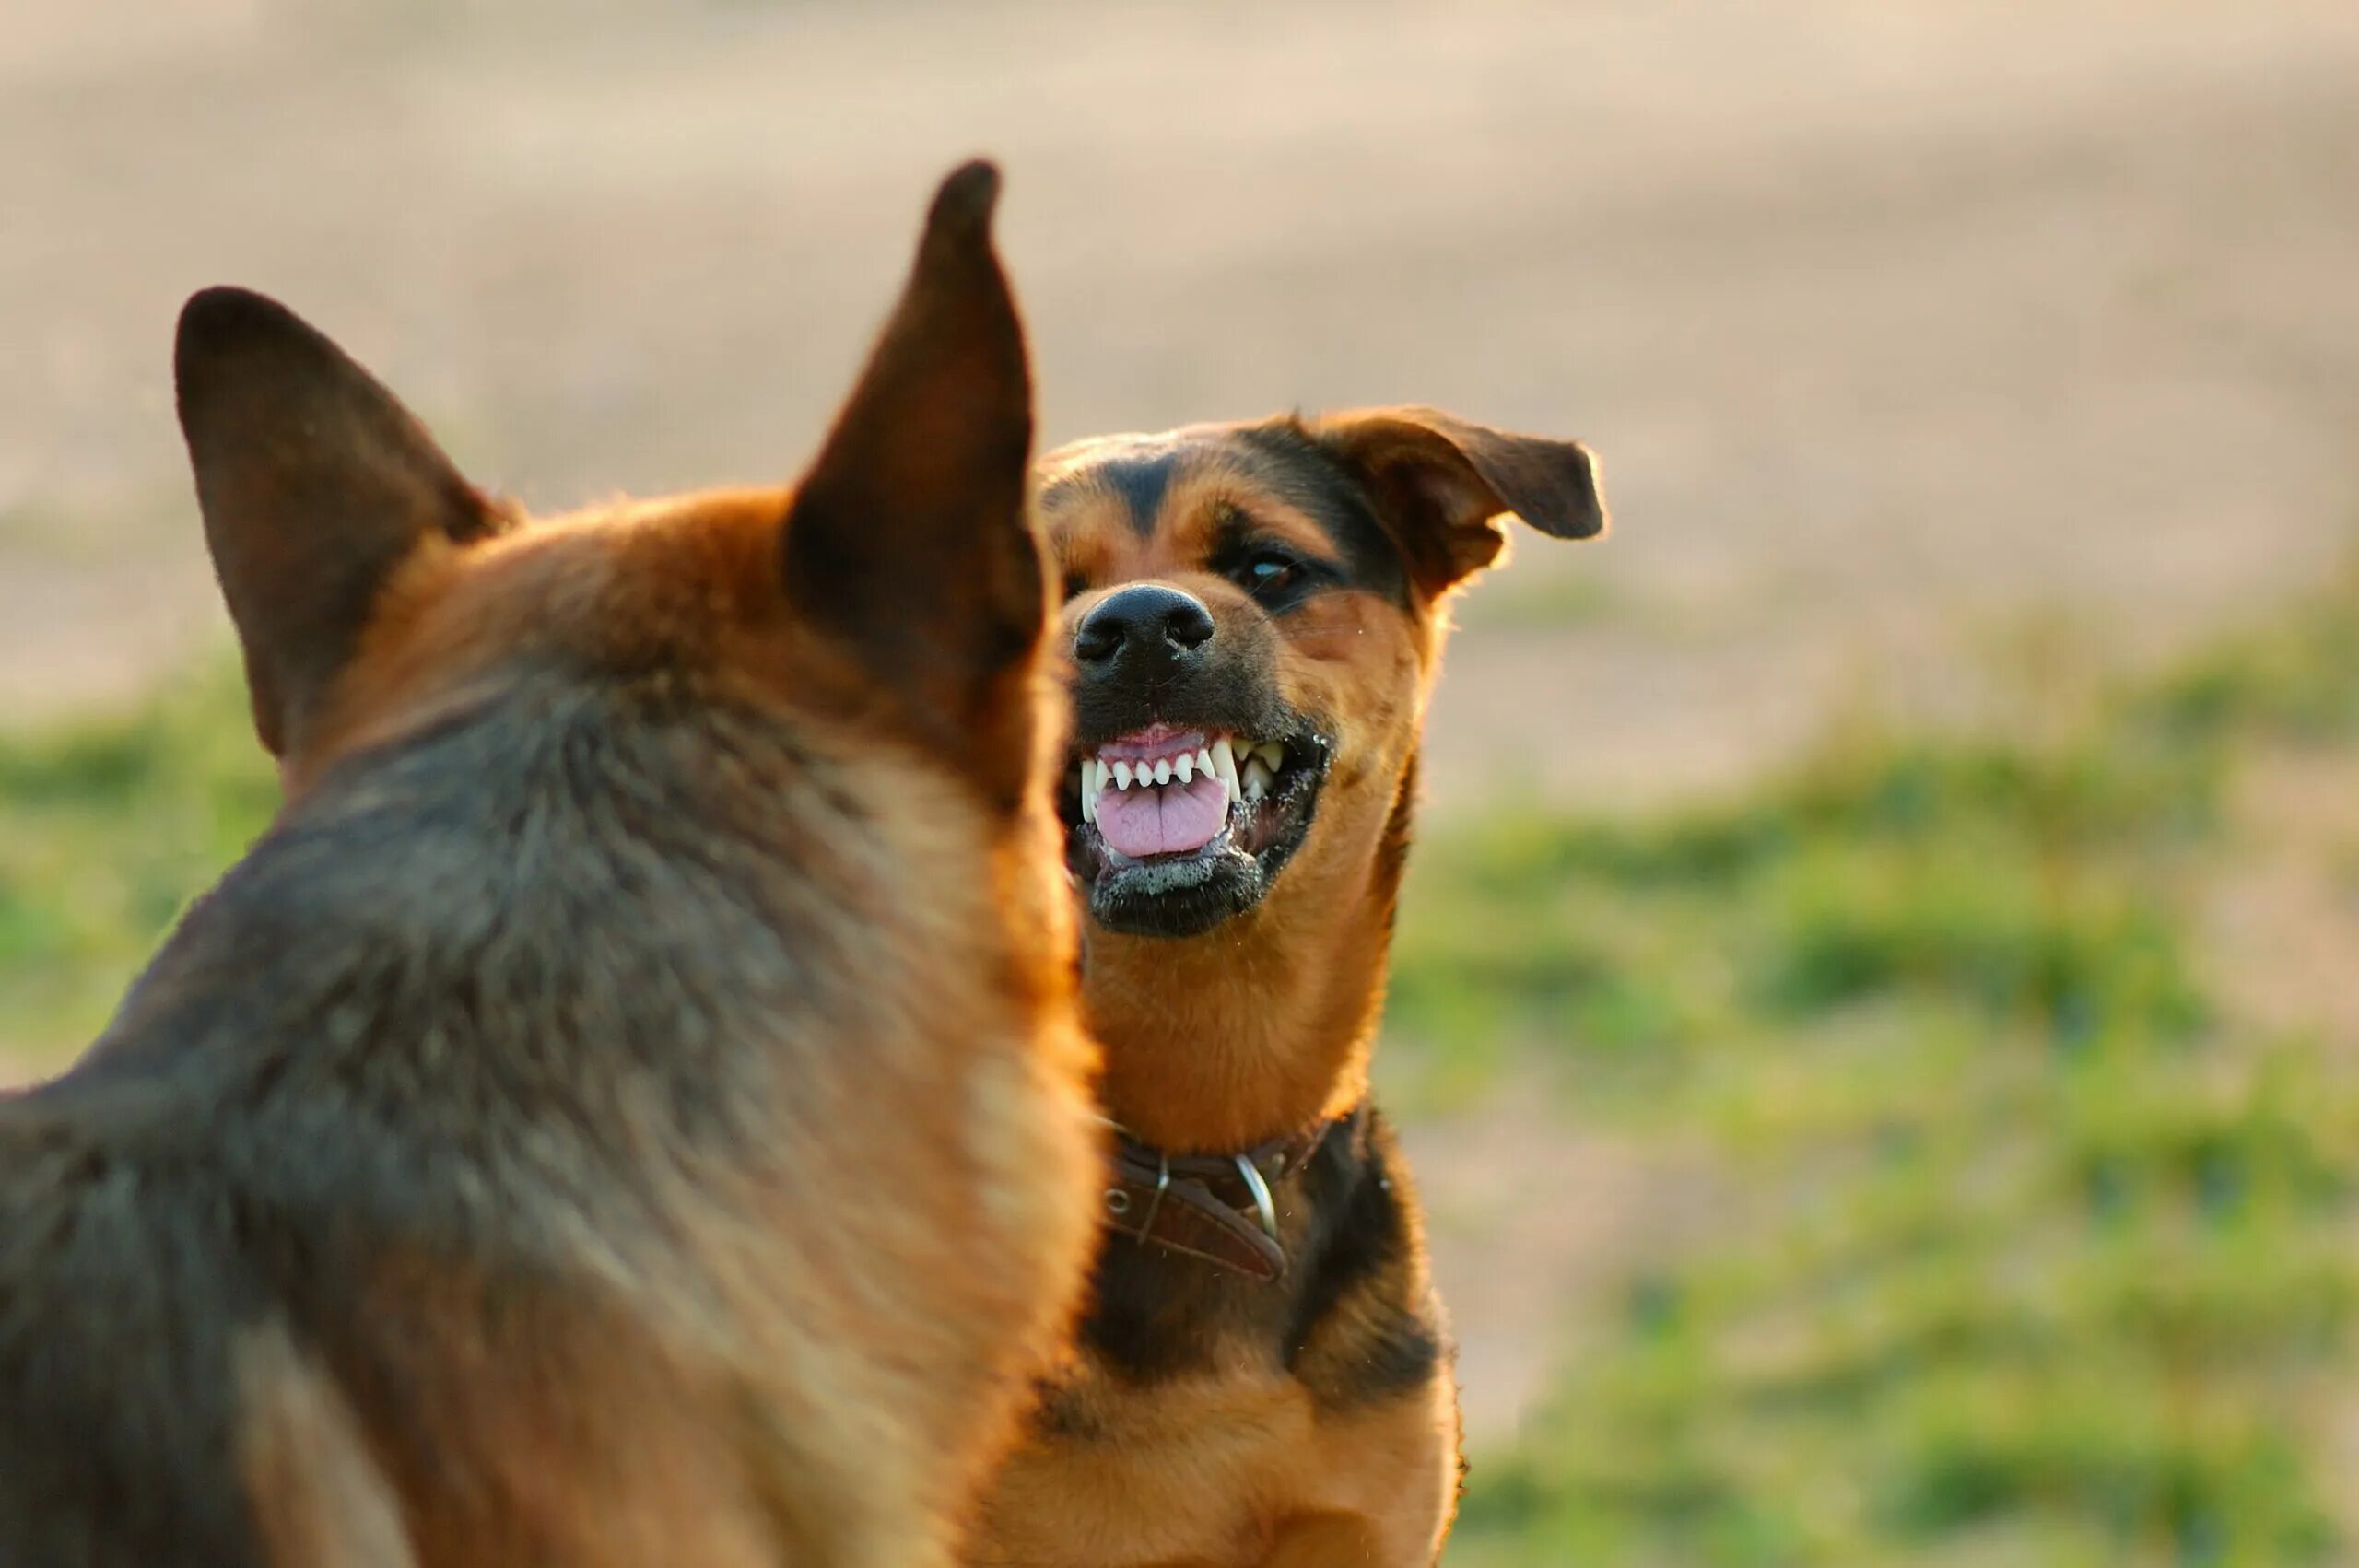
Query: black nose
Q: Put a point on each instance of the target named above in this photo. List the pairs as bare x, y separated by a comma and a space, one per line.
1142, 626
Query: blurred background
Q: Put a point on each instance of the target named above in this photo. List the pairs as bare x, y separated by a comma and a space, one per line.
1877, 1011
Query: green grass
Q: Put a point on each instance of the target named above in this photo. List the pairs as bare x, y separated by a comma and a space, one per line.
105, 831
2028, 1250
2031, 1254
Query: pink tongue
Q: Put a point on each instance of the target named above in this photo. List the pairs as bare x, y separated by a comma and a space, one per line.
1165, 820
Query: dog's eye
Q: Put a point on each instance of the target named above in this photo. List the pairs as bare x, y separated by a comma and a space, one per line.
1269, 571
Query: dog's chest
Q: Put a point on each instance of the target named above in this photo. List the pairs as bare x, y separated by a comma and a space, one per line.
1199, 1467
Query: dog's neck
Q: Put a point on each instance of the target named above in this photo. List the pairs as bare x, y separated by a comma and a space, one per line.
500, 911
1262, 1025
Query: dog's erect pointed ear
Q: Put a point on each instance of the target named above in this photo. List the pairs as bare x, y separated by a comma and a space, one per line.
315, 485
1443, 484
908, 542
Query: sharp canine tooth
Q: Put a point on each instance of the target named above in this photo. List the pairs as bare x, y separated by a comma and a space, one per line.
1163, 771
1185, 768
1090, 791
1222, 761
1122, 775
1257, 778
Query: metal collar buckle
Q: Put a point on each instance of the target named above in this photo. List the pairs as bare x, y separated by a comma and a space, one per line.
1262, 1203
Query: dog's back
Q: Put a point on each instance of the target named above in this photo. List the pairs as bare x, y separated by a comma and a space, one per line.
627, 1109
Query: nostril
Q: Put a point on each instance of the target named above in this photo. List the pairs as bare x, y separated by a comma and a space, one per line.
1098, 641
1188, 623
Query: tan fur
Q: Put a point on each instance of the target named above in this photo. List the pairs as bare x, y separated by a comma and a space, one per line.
1288, 1452
1235, 1470
317, 1490
1227, 1473
631, 1107
1220, 1043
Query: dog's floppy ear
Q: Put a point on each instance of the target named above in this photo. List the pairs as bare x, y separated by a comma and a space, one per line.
908, 544
1442, 484
315, 483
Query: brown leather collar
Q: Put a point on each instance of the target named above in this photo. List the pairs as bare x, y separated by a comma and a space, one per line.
1218, 1208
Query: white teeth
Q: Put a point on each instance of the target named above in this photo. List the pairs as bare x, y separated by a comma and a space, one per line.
1249, 769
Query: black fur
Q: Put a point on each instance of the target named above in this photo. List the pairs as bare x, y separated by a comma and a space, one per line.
1141, 481
1279, 455
1158, 1315
1313, 480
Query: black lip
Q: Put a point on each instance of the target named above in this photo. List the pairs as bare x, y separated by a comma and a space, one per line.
1222, 697
1188, 895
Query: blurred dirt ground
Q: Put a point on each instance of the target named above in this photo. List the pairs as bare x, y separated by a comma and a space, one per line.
1891, 322
1886, 318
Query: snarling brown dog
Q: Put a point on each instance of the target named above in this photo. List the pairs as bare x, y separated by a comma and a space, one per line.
1256, 613
628, 1109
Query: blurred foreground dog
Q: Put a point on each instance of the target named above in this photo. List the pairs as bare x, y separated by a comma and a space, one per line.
1257, 613
628, 1109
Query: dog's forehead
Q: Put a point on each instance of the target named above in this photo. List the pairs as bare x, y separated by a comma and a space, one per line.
1174, 497
1135, 476
1162, 484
